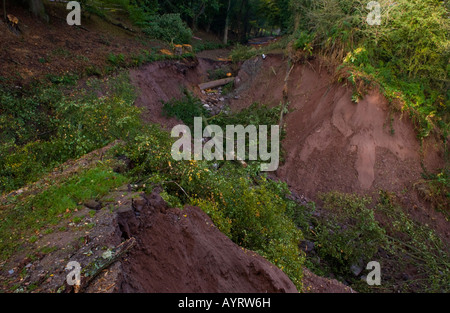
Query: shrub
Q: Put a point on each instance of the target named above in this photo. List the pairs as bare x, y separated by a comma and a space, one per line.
415, 244
169, 28
69, 129
252, 210
185, 109
347, 232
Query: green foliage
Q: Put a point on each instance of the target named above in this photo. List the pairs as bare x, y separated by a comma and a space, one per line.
242, 53
256, 114
304, 41
167, 27
44, 129
251, 209
219, 73
208, 45
185, 109
436, 189
347, 232
116, 60
416, 244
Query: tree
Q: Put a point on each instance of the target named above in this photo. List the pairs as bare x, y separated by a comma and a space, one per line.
38, 9
227, 24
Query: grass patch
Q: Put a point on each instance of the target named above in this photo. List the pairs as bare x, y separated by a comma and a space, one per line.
35, 214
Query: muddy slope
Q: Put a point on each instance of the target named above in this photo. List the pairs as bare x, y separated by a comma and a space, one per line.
182, 251
333, 143
159, 82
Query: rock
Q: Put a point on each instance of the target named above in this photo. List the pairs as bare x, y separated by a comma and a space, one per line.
157, 202
139, 204
307, 246
93, 204
406, 276
356, 269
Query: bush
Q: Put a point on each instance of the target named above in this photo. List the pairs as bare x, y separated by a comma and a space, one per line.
417, 245
407, 55
252, 210
347, 233
185, 109
69, 129
169, 28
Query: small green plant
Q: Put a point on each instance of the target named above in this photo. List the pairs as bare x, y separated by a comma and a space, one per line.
304, 41
66, 79
208, 45
185, 109
116, 59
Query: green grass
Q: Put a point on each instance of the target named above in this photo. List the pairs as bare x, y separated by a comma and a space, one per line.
25, 218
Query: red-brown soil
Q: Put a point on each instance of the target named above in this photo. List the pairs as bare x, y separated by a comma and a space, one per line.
182, 251
56, 48
316, 284
333, 144
162, 81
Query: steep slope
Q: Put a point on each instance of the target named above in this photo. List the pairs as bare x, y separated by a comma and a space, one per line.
333, 144
182, 251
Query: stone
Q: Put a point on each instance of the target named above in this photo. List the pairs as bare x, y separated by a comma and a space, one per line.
93, 204
307, 246
356, 269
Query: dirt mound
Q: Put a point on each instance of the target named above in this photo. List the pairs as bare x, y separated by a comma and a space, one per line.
138, 244
182, 251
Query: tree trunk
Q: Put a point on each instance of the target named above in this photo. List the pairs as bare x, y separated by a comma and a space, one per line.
4, 10
37, 8
227, 24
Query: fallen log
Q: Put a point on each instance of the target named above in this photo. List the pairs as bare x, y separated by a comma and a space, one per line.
216, 83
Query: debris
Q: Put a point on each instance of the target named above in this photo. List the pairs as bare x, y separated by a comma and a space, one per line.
216, 83
13, 20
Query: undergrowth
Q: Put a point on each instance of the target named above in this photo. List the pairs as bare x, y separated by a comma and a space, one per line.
352, 231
